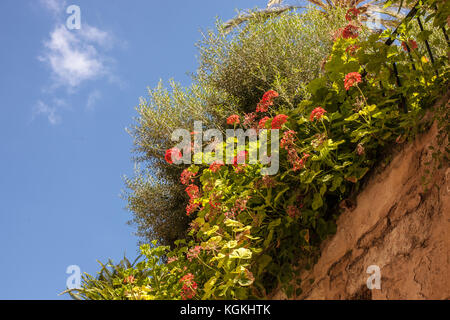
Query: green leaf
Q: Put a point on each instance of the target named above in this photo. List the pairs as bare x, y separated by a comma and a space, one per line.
279, 195
268, 239
263, 262
230, 244
232, 223
316, 85
336, 183
274, 223
317, 201
323, 189
241, 253
353, 117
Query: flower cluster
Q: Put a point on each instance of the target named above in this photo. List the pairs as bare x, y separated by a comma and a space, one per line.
193, 191
187, 176
287, 142
265, 182
262, 122
351, 79
279, 120
189, 289
317, 114
297, 162
172, 154
350, 32
191, 207
193, 252
266, 101
239, 206
352, 14
249, 120
233, 119
172, 259
215, 166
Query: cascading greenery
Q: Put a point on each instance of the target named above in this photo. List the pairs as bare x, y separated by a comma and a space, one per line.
251, 234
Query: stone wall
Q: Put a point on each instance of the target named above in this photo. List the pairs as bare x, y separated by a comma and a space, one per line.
396, 225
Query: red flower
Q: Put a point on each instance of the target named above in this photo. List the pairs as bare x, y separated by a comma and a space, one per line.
239, 206
187, 176
249, 119
266, 101
129, 279
278, 121
215, 166
191, 207
297, 162
351, 79
173, 154
288, 139
189, 289
262, 122
193, 191
317, 114
171, 259
193, 252
351, 14
411, 43
350, 31
233, 119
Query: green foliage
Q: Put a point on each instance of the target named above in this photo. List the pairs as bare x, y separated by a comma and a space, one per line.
283, 52
252, 234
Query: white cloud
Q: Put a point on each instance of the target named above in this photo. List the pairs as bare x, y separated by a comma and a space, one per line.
42, 108
93, 97
75, 58
72, 56
55, 6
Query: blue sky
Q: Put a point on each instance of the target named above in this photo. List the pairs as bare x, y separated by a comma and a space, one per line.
66, 98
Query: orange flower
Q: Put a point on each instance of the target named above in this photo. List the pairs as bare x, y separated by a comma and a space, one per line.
351, 79
266, 101
317, 114
215, 166
278, 121
233, 119
186, 176
193, 191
